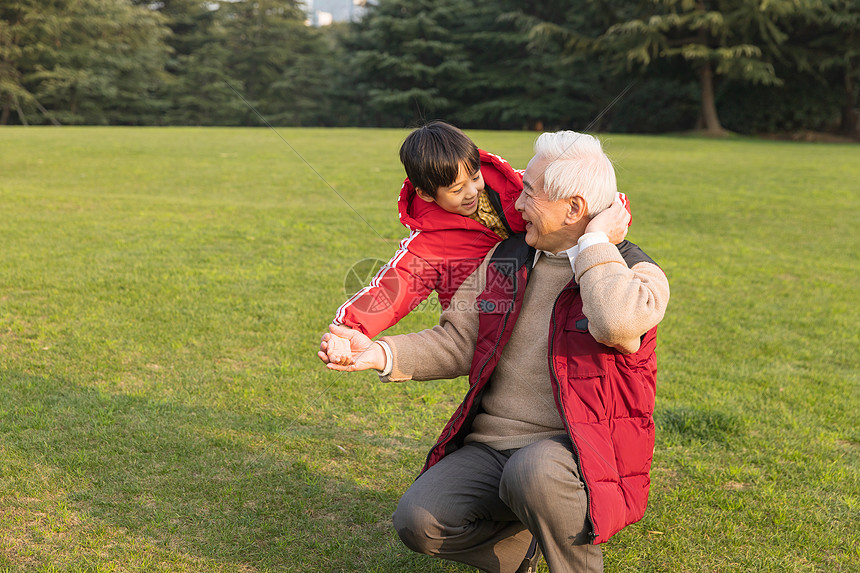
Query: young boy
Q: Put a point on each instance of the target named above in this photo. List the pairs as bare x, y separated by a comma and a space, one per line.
457, 202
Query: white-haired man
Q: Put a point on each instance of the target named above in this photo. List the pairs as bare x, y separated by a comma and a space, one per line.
557, 330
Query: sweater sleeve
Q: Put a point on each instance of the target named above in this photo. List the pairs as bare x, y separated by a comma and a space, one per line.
621, 303
446, 350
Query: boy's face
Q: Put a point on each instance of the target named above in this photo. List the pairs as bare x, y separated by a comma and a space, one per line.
461, 197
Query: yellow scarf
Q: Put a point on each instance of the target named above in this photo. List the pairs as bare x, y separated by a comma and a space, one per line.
487, 216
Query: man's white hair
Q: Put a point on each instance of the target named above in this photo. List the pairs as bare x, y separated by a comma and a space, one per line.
577, 165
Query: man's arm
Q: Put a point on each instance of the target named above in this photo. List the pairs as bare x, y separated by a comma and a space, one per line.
621, 303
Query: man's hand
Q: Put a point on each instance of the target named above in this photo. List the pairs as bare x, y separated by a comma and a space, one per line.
612, 221
364, 354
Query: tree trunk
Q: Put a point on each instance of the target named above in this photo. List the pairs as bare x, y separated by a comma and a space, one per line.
708, 119
20, 112
849, 125
6, 112
46, 113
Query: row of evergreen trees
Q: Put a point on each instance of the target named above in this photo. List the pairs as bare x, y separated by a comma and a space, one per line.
621, 65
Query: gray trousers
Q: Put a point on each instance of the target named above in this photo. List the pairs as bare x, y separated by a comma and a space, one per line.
480, 506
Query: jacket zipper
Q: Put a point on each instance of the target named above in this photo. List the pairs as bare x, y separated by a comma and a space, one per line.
550, 357
443, 440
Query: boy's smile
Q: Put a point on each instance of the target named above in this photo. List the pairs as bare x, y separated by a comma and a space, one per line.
461, 197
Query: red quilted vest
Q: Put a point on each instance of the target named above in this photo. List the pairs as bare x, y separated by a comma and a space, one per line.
605, 398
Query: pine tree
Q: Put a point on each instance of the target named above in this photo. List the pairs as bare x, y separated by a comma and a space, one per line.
408, 61
198, 90
20, 47
838, 43
732, 38
278, 60
81, 61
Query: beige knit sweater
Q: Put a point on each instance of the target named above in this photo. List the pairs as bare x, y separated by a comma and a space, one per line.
518, 407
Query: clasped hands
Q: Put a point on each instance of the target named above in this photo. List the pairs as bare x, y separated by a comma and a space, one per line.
348, 350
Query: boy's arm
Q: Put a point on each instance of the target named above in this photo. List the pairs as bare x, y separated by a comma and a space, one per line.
444, 351
400, 285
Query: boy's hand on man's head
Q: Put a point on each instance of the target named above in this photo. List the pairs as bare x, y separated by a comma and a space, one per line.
348, 350
613, 221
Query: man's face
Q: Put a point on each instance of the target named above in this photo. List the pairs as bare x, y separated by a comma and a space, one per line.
461, 197
546, 225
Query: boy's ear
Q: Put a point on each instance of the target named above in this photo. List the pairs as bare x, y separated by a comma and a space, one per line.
577, 209
424, 195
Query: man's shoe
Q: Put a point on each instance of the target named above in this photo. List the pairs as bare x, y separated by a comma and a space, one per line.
530, 563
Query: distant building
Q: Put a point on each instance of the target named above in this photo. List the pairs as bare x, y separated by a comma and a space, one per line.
326, 12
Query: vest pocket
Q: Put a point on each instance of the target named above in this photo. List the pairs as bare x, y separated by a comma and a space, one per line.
576, 323
584, 378
585, 398
584, 354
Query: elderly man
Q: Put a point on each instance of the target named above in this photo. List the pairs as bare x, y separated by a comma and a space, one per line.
557, 329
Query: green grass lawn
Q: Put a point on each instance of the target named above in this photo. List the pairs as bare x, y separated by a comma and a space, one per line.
162, 295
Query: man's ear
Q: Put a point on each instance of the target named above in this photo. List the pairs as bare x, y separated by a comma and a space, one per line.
424, 195
577, 210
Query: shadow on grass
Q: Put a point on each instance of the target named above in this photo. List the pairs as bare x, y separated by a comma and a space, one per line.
200, 488
683, 425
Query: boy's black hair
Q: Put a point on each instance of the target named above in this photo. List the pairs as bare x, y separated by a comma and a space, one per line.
433, 153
